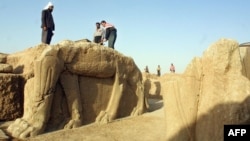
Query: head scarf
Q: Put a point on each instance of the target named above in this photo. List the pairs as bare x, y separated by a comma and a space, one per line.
48, 5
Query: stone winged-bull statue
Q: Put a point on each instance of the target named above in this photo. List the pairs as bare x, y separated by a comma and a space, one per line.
64, 64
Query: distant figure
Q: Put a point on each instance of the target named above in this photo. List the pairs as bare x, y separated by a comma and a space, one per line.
48, 25
172, 68
98, 34
146, 69
158, 70
110, 33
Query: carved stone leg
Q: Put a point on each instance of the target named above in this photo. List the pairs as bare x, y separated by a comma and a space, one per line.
140, 107
47, 70
111, 111
71, 88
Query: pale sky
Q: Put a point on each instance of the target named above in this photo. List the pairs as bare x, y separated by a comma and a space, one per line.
152, 32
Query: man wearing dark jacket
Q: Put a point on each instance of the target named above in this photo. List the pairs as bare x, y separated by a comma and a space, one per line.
48, 25
110, 33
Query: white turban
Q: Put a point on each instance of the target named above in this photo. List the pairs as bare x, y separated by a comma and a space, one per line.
48, 5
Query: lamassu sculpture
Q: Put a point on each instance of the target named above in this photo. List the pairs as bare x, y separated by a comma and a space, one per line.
64, 64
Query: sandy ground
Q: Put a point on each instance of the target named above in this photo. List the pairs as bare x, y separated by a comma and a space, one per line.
147, 127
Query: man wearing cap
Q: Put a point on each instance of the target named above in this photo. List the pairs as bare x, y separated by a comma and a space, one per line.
48, 25
110, 33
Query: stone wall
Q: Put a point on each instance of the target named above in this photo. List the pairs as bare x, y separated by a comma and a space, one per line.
11, 96
212, 92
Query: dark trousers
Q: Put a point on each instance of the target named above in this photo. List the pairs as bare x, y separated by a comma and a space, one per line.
158, 73
112, 39
98, 39
47, 36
